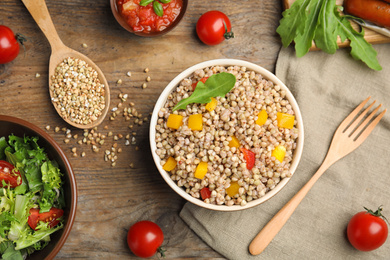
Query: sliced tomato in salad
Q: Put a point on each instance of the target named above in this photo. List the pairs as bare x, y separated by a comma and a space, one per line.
9, 175
203, 80
51, 217
249, 157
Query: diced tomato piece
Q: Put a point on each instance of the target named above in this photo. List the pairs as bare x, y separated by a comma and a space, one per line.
203, 80
33, 218
205, 193
249, 157
9, 175
52, 217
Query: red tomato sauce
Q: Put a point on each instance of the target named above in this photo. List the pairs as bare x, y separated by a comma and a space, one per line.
144, 19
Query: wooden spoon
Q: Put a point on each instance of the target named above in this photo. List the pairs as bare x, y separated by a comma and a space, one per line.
60, 52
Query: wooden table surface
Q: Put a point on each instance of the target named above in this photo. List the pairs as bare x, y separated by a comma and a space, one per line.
112, 198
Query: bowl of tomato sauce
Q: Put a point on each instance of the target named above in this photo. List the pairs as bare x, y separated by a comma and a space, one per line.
148, 18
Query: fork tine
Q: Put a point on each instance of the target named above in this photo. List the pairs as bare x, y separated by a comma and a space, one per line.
351, 116
370, 127
365, 122
350, 129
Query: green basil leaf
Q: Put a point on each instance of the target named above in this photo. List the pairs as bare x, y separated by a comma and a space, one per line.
216, 85
145, 2
165, 1
157, 7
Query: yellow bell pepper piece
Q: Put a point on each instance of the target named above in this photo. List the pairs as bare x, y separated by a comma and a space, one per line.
285, 120
279, 152
211, 105
201, 170
234, 142
233, 189
195, 122
170, 164
174, 121
262, 117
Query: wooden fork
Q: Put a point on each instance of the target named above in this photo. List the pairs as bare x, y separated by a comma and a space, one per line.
348, 136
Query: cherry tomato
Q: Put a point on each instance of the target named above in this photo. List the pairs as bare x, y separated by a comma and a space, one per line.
52, 217
249, 157
9, 44
367, 230
9, 175
145, 238
213, 27
205, 193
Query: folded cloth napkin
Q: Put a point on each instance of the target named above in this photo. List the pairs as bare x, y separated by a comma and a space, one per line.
327, 88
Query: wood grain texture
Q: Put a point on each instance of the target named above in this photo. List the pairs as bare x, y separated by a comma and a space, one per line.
370, 35
111, 199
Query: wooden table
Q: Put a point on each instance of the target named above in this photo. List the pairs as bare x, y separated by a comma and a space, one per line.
112, 198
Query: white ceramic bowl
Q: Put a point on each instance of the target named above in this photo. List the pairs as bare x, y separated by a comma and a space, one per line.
225, 62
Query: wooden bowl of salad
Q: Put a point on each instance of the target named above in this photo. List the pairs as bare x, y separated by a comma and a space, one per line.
226, 134
148, 18
33, 166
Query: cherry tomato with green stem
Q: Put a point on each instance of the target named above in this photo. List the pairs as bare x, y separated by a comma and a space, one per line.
213, 27
145, 239
367, 230
9, 44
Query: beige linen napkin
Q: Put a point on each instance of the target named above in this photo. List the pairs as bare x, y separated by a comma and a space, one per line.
327, 88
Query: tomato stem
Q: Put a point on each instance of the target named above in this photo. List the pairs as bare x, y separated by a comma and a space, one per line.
377, 213
161, 251
227, 34
21, 39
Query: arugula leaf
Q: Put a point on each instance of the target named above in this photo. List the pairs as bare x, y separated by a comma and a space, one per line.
360, 48
216, 85
321, 21
326, 34
291, 24
304, 41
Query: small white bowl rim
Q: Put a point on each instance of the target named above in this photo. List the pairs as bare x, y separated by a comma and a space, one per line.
225, 62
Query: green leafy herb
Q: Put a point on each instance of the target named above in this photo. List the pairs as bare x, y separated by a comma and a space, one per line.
158, 9
216, 85
321, 21
157, 6
145, 2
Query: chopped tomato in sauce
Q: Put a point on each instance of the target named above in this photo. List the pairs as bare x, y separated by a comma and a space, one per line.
144, 19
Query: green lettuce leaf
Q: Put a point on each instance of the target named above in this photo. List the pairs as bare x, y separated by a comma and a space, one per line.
51, 178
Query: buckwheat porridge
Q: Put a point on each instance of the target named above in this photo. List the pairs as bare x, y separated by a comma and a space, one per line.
233, 149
